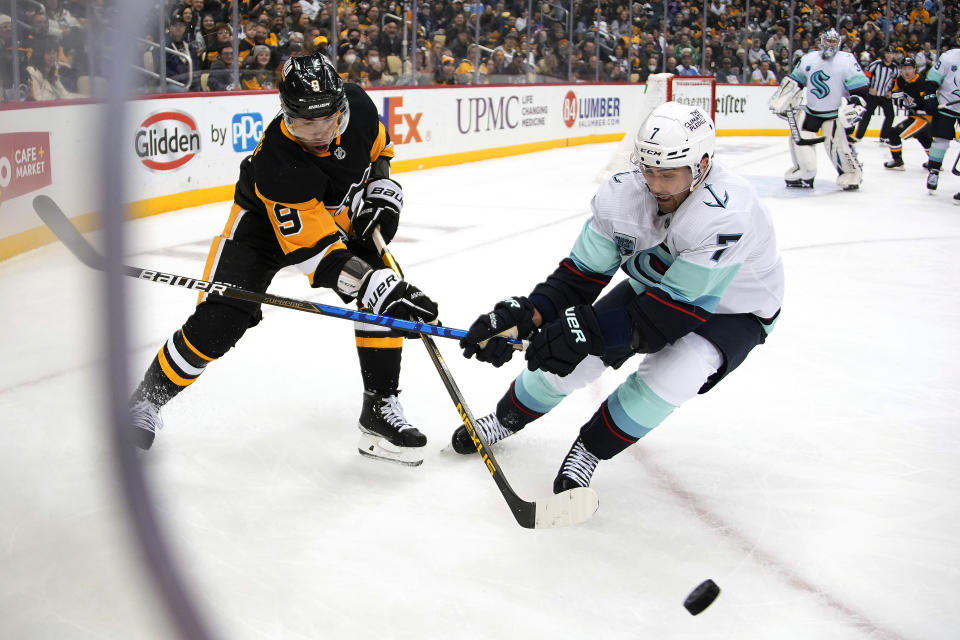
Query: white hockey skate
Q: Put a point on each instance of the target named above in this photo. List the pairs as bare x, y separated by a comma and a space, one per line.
385, 433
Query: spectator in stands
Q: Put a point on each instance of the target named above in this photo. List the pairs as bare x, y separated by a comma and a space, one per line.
447, 73
763, 74
256, 72
61, 20
727, 73
221, 70
222, 36
43, 75
686, 66
390, 42
179, 67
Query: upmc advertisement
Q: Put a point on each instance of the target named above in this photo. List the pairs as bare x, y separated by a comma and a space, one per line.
186, 150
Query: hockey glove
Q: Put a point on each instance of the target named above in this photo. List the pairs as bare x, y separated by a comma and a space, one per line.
850, 111
930, 103
382, 203
561, 345
511, 312
386, 293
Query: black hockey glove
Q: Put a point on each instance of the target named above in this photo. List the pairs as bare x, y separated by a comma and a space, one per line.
382, 203
857, 100
930, 103
511, 312
561, 345
386, 293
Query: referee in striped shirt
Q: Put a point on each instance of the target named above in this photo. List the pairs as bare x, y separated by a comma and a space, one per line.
882, 72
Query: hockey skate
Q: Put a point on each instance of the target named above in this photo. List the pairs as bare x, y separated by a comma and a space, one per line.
851, 187
385, 432
488, 428
895, 164
933, 179
577, 468
800, 183
956, 198
145, 421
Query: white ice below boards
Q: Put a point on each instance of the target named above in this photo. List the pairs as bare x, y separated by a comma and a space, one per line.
817, 485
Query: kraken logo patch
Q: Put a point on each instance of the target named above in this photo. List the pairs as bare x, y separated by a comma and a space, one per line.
626, 245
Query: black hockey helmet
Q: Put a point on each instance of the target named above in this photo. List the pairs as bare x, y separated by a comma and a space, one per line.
311, 88
908, 62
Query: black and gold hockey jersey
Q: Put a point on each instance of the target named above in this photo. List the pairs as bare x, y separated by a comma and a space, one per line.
914, 89
308, 197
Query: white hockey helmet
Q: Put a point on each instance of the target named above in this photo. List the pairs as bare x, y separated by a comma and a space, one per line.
675, 135
829, 43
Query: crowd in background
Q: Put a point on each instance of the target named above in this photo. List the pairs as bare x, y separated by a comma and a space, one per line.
63, 46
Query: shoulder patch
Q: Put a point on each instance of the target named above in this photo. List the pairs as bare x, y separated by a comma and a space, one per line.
626, 245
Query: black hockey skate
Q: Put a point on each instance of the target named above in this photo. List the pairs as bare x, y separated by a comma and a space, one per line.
895, 164
489, 429
577, 468
385, 432
800, 183
851, 187
145, 421
933, 179
956, 198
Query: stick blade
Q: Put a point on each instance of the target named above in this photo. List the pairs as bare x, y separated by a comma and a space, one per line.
69, 235
566, 509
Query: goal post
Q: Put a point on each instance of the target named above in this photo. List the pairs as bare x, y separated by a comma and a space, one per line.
699, 91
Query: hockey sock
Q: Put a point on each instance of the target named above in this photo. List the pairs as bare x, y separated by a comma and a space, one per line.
512, 413
897, 153
175, 367
380, 367
602, 437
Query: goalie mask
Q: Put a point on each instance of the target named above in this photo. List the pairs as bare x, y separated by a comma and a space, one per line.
675, 135
829, 44
315, 108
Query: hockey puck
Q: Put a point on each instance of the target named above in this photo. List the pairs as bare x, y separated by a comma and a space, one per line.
701, 597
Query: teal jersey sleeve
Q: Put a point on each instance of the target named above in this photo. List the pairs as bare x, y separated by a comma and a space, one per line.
595, 252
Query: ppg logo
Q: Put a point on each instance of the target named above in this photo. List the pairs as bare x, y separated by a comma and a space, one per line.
247, 130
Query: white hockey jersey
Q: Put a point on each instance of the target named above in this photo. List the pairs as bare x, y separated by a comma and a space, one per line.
717, 251
826, 82
946, 73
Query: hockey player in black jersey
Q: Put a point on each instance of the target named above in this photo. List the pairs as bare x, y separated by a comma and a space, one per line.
310, 196
908, 95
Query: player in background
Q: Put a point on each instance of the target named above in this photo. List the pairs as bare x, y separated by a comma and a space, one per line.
941, 98
835, 89
908, 95
309, 196
704, 287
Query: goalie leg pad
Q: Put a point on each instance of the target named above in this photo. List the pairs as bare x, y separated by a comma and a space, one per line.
842, 155
804, 162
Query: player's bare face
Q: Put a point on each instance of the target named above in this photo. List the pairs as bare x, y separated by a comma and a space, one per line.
315, 134
669, 186
908, 73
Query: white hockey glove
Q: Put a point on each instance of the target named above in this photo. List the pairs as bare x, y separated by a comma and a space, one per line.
787, 97
850, 111
386, 293
382, 202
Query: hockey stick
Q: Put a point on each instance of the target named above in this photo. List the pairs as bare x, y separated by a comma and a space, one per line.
563, 509
956, 166
791, 119
57, 221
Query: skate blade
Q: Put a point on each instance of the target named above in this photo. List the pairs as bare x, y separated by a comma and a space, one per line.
379, 448
897, 168
567, 508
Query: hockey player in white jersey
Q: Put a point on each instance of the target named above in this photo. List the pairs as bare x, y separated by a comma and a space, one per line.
942, 98
704, 286
833, 88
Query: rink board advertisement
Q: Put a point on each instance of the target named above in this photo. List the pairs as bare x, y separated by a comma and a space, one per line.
182, 151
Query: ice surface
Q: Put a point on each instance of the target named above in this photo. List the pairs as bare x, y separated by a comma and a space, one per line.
817, 485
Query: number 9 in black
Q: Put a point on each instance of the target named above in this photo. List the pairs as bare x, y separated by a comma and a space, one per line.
288, 220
